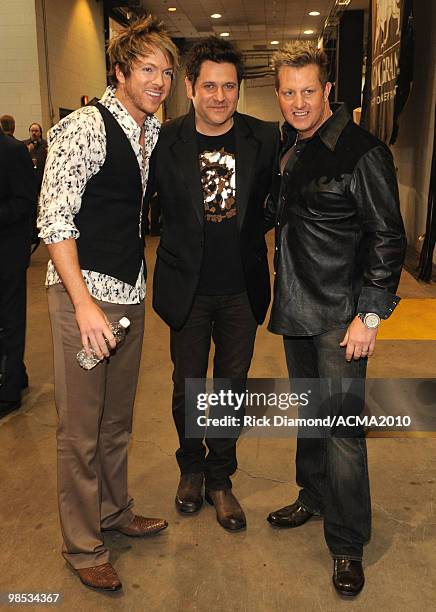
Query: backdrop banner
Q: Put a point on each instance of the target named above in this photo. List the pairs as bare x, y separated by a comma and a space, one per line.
389, 66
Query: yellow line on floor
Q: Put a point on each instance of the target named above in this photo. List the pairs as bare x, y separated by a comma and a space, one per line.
401, 434
413, 319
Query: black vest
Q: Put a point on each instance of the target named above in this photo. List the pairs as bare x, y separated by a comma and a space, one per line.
108, 219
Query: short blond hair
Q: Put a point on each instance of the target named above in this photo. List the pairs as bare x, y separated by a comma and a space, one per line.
299, 53
139, 38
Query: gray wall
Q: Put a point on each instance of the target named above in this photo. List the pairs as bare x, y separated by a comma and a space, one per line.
49, 58
72, 39
20, 94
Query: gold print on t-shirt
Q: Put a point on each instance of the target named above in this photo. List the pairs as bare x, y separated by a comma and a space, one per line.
217, 170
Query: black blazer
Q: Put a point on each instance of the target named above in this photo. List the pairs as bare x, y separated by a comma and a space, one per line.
17, 203
175, 175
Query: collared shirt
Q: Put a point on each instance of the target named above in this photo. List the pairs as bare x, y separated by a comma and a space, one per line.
77, 151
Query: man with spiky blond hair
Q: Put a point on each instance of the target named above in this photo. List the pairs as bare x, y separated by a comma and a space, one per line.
91, 220
339, 249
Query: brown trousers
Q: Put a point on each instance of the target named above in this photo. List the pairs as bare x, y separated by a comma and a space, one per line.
95, 422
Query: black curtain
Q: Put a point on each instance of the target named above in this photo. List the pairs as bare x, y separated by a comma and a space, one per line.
407, 58
426, 259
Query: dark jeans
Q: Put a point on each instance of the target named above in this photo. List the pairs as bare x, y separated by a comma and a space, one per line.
229, 321
333, 471
12, 334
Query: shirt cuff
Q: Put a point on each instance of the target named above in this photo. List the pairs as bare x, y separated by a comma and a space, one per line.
59, 236
375, 300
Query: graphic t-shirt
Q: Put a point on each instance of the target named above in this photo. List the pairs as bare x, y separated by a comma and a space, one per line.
221, 270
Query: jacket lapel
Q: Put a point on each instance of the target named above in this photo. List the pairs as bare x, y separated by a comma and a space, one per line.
186, 155
247, 147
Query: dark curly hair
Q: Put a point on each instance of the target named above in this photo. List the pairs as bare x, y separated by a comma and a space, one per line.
214, 49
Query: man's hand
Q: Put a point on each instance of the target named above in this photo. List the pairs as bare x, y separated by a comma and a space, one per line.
30, 147
91, 320
359, 340
94, 328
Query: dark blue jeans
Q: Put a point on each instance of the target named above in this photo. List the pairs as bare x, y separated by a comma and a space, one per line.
332, 471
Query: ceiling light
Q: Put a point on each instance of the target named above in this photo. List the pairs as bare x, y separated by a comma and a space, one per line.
314, 13
172, 9
308, 32
225, 34
274, 42
216, 16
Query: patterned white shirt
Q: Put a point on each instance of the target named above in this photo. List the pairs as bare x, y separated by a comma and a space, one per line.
77, 151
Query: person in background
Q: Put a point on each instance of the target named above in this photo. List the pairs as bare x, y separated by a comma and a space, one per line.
37, 147
340, 246
152, 215
17, 202
91, 220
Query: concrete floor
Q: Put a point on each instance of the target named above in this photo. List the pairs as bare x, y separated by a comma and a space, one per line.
195, 565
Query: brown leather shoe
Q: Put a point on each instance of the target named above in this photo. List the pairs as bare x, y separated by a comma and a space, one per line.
348, 577
100, 577
229, 513
188, 497
142, 526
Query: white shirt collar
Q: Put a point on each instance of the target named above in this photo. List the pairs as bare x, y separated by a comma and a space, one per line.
116, 107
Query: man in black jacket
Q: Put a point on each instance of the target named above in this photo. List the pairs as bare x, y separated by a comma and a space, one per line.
17, 202
213, 171
339, 249
37, 147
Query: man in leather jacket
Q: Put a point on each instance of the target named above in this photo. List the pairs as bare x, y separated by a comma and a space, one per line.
339, 250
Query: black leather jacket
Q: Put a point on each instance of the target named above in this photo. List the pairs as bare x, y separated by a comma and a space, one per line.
340, 239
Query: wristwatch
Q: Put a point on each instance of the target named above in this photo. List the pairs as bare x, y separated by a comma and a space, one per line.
370, 319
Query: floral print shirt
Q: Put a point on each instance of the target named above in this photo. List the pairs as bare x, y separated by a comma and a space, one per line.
77, 151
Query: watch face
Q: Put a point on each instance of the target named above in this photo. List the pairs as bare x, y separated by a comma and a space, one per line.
372, 320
